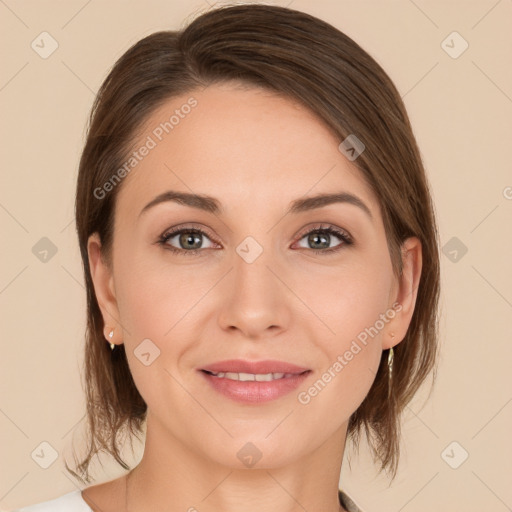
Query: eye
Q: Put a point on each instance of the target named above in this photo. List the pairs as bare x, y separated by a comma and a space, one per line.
188, 240
320, 238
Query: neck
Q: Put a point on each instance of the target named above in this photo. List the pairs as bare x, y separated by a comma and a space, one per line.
174, 477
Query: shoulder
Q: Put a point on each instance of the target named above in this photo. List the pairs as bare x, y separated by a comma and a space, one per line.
70, 502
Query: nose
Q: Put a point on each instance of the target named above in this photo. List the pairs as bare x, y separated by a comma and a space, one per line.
254, 299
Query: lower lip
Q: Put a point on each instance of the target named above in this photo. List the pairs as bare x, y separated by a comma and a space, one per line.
254, 392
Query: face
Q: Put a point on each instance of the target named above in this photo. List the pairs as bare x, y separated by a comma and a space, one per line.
308, 291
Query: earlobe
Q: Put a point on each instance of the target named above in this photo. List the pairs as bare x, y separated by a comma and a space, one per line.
408, 283
102, 278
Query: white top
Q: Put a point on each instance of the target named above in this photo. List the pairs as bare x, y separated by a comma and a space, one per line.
70, 502
73, 502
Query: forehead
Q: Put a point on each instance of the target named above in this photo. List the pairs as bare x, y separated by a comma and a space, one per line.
246, 146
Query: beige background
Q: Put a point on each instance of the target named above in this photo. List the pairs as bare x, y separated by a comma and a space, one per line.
461, 110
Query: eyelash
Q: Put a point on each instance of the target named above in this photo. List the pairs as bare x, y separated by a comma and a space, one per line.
331, 230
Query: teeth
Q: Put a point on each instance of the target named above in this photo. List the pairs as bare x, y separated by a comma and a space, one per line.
246, 376
260, 377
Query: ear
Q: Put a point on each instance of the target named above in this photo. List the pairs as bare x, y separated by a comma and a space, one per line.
405, 292
103, 281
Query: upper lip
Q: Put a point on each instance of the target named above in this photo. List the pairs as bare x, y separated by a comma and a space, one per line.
256, 367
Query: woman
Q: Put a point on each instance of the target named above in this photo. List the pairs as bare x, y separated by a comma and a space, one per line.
261, 261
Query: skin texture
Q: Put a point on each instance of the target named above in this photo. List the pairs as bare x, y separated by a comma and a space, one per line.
255, 152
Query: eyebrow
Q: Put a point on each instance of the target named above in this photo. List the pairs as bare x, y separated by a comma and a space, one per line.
212, 205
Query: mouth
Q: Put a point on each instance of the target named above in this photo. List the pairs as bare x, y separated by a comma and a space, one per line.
254, 382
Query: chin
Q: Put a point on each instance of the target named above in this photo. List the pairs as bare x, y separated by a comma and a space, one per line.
255, 451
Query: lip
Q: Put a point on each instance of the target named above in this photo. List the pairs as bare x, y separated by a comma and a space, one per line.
254, 392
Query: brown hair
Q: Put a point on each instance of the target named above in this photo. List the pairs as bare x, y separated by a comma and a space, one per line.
302, 58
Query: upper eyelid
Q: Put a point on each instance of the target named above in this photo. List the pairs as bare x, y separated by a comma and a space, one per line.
189, 227
323, 226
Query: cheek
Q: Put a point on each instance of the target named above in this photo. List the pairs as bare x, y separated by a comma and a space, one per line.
159, 303
347, 301
151, 298
336, 394
352, 349
353, 307
153, 312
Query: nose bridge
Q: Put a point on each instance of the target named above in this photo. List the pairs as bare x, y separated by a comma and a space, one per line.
251, 272
253, 299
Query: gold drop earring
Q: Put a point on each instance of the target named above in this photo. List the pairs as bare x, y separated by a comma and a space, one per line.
391, 356
110, 335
